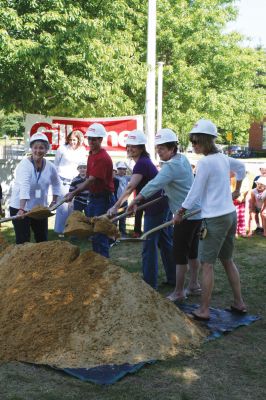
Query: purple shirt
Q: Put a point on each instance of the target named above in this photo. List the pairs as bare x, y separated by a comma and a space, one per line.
147, 169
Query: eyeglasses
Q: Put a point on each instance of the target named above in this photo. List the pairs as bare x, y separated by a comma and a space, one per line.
194, 142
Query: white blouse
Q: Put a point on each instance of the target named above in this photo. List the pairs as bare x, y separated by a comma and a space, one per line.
67, 160
27, 181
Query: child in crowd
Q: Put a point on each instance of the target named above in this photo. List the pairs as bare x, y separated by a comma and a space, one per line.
81, 201
240, 204
257, 204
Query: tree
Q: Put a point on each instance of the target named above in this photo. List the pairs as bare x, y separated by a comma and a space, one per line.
12, 124
69, 57
207, 73
88, 58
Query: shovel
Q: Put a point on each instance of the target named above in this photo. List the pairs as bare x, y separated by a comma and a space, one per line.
38, 214
141, 207
157, 228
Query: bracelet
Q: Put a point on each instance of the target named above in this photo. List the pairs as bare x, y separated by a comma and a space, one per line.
21, 209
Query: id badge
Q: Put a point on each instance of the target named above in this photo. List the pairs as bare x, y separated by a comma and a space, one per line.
38, 193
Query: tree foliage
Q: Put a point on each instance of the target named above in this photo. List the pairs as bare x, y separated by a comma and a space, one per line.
88, 58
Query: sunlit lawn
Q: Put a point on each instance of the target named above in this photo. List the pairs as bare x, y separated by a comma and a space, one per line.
232, 367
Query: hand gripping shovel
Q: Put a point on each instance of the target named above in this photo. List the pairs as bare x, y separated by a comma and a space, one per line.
139, 208
165, 225
38, 213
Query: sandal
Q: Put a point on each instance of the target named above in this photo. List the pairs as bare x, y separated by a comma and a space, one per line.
174, 298
193, 292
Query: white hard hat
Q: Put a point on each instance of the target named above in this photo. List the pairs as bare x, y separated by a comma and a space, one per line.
39, 136
165, 136
205, 126
263, 166
261, 180
96, 130
82, 163
136, 137
121, 164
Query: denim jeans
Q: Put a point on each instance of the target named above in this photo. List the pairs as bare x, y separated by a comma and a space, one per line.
78, 206
98, 206
162, 239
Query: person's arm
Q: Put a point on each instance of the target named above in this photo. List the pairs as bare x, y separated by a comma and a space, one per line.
83, 186
239, 169
55, 183
133, 183
23, 177
159, 182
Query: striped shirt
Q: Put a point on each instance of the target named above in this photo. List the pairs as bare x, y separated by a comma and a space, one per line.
82, 197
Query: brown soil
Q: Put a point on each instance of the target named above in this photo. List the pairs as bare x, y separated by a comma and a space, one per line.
77, 224
70, 310
39, 212
105, 226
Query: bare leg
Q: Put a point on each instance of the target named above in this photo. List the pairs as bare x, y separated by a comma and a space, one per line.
178, 293
207, 286
263, 220
234, 280
194, 266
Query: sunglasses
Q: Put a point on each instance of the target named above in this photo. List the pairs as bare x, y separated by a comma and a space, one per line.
194, 142
92, 139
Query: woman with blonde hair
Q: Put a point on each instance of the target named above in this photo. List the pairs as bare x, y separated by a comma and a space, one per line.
66, 162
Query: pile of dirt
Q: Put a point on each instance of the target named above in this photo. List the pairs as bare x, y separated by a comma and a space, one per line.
69, 310
39, 212
77, 224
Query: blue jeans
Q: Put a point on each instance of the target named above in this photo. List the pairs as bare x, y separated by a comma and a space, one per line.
162, 239
78, 206
98, 206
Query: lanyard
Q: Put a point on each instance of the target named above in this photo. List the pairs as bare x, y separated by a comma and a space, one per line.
37, 173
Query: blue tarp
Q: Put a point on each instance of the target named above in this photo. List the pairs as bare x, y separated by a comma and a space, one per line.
221, 321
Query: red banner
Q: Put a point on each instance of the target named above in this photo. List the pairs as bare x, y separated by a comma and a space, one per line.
57, 128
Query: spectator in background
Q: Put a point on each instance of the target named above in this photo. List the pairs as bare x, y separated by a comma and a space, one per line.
81, 201
33, 177
262, 173
240, 204
257, 204
67, 158
123, 181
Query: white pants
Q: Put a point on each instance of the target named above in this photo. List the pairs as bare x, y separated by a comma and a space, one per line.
63, 211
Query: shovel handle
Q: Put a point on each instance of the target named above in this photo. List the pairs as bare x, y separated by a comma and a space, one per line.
59, 203
168, 223
149, 203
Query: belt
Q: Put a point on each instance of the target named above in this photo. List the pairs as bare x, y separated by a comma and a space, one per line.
100, 195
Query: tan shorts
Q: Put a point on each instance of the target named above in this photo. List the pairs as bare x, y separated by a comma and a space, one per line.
219, 241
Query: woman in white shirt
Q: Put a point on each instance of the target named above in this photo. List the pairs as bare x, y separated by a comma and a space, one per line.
66, 162
33, 176
212, 188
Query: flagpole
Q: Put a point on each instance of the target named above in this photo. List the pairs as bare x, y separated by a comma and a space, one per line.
151, 76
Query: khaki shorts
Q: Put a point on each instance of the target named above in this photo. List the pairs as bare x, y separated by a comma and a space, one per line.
219, 241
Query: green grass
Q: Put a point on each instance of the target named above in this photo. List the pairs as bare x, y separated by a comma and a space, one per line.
230, 368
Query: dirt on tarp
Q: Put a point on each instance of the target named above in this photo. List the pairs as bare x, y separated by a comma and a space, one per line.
69, 310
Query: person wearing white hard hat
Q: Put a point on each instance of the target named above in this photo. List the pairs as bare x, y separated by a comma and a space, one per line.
99, 182
176, 178
33, 177
66, 161
143, 171
212, 188
81, 201
257, 204
123, 180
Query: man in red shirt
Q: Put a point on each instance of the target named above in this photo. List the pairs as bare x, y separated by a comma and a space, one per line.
99, 182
